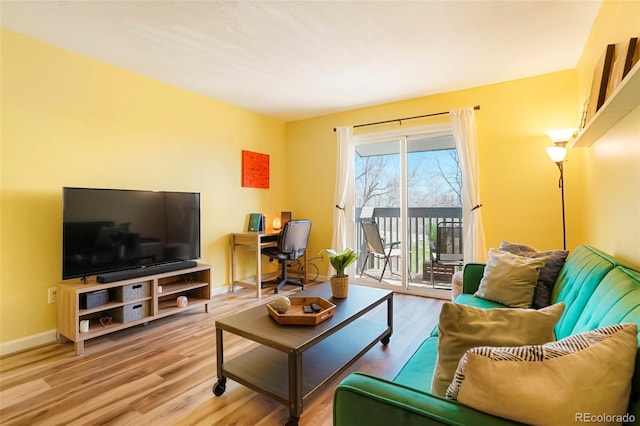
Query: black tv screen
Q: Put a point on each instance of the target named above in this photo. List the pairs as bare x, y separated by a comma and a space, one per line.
107, 230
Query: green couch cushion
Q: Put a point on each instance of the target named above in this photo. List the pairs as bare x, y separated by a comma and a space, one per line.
476, 302
615, 301
361, 399
417, 373
471, 277
578, 279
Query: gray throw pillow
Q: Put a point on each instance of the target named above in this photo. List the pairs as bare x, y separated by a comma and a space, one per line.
548, 273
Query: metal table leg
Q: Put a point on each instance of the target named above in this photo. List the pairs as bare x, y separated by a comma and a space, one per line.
221, 385
295, 387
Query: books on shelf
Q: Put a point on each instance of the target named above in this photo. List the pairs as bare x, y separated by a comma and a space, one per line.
256, 222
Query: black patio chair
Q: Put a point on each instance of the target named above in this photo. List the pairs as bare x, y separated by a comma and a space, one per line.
446, 254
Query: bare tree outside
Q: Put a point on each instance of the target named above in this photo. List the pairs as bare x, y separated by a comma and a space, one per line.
453, 175
373, 185
434, 179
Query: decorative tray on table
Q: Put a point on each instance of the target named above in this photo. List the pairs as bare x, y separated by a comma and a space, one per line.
296, 315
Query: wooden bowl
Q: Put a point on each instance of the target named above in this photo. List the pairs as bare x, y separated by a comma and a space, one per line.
296, 316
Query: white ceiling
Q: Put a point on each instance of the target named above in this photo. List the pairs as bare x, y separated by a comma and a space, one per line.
299, 59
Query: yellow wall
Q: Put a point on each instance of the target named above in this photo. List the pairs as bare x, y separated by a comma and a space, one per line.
519, 183
71, 121
612, 165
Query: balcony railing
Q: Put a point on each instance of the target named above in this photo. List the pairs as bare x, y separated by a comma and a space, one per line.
421, 228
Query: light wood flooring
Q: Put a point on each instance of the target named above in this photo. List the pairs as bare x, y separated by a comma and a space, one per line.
163, 373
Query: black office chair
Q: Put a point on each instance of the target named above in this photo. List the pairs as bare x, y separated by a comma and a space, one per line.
376, 248
446, 254
292, 243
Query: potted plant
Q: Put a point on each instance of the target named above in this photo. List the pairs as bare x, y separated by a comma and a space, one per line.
340, 261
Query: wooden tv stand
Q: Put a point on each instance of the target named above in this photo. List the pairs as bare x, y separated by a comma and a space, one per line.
128, 303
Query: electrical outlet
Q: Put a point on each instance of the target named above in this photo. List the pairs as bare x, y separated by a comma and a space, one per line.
53, 295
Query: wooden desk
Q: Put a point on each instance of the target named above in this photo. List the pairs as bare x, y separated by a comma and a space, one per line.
254, 241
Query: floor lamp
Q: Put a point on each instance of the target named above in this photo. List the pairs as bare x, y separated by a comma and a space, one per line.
557, 152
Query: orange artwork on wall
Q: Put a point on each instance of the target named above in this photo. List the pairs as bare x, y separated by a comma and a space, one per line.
255, 170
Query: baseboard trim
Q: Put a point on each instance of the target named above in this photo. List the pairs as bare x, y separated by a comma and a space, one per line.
217, 291
28, 342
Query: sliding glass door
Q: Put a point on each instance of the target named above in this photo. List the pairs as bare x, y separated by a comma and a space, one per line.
405, 183
378, 199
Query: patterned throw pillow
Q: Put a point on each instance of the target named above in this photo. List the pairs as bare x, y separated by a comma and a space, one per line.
554, 383
548, 274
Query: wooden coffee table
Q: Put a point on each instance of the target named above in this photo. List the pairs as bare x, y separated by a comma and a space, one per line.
294, 361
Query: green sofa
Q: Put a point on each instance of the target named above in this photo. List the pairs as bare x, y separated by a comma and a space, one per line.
598, 290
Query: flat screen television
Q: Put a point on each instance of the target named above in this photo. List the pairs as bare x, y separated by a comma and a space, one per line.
108, 230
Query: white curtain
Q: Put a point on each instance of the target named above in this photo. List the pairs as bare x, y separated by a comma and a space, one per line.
463, 122
343, 198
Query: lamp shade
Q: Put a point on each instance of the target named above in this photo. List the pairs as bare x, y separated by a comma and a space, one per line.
276, 223
561, 135
557, 153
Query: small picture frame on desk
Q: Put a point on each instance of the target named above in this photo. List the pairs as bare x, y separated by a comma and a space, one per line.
284, 218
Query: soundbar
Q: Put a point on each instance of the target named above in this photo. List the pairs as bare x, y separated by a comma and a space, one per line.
144, 271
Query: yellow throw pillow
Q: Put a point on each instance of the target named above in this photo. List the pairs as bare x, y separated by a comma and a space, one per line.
510, 279
559, 383
548, 274
464, 327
